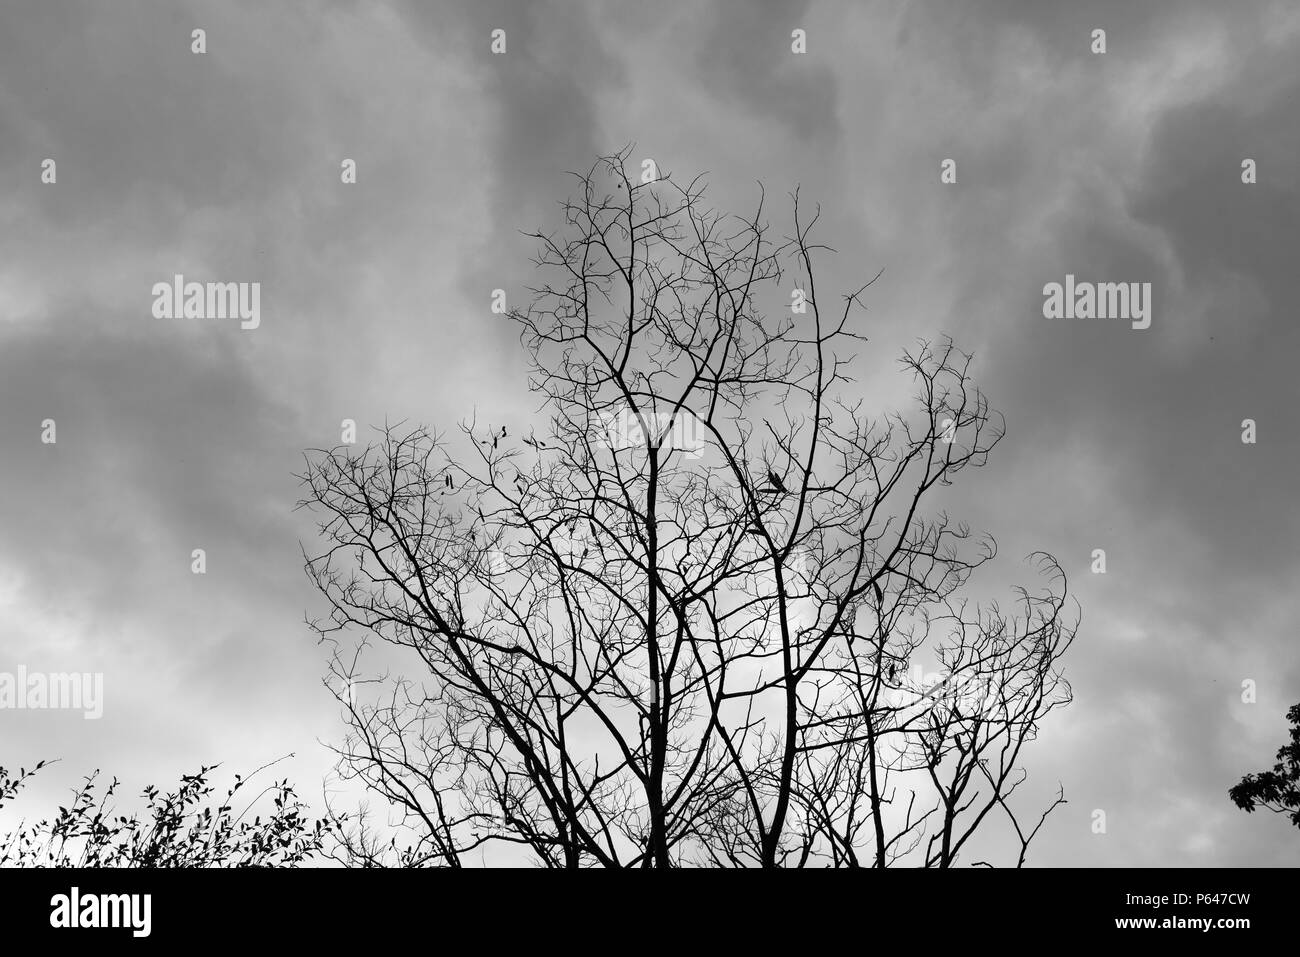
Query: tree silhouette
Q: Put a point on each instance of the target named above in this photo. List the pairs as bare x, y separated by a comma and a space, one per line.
1277, 790
628, 652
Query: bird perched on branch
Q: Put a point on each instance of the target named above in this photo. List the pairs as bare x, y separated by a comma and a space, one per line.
778, 486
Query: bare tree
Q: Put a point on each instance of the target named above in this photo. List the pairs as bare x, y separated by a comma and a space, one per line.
681, 624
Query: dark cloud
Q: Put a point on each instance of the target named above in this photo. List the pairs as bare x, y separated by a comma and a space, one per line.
743, 55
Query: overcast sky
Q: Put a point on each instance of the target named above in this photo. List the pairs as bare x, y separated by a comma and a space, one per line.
172, 435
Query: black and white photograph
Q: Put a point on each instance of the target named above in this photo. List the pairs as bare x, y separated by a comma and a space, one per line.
529, 435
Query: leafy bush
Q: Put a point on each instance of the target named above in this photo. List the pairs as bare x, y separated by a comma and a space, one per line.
175, 829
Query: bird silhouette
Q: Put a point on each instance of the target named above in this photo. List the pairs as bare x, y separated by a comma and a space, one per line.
775, 479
